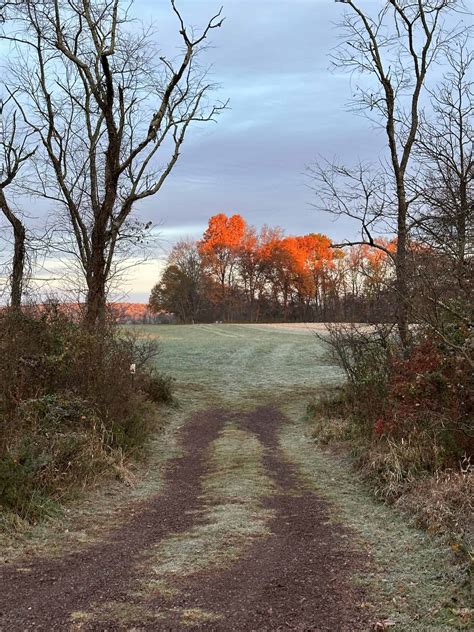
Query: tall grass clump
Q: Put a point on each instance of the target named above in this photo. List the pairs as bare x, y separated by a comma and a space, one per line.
408, 418
70, 407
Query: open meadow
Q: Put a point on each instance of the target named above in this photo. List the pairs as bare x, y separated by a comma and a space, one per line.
244, 366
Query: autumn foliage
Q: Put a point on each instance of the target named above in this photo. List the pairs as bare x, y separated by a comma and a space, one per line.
247, 274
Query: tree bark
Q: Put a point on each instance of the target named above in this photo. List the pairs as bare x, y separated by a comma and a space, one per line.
96, 283
401, 267
19, 253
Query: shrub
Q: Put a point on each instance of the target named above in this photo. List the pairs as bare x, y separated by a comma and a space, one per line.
59, 445
69, 406
157, 387
409, 417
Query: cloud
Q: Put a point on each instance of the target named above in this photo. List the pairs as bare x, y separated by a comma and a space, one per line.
271, 59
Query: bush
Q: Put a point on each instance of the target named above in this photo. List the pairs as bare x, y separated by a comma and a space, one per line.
408, 416
59, 445
157, 387
69, 406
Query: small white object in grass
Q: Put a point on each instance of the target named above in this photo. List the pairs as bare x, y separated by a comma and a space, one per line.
133, 369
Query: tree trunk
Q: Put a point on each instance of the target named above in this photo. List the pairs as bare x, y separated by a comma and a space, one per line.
95, 302
401, 266
96, 282
461, 221
19, 253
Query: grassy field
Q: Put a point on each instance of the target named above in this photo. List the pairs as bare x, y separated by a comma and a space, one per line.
243, 366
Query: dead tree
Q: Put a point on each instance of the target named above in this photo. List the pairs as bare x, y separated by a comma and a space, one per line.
396, 48
111, 113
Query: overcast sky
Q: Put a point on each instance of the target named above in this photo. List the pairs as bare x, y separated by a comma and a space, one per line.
271, 60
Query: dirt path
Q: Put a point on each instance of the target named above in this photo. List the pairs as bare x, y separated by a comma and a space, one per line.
42, 595
296, 578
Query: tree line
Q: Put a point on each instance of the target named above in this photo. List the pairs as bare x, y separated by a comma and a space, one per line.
236, 273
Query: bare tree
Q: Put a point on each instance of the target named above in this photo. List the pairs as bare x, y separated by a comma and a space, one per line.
396, 47
443, 221
444, 147
359, 193
111, 113
14, 153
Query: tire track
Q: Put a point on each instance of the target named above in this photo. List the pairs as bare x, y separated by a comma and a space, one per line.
296, 578
299, 578
41, 595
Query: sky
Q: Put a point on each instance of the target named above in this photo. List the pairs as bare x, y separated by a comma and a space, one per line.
270, 59
286, 109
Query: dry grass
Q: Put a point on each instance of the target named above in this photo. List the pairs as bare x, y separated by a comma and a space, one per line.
126, 612
195, 616
444, 504
414, 577
91, 516
406, 473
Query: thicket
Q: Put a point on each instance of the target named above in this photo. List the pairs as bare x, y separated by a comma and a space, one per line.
71, 409
408, 416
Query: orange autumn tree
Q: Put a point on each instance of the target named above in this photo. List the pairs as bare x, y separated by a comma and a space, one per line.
219, 249
281, 259
251, 269
318, 256
296, 266
377, 266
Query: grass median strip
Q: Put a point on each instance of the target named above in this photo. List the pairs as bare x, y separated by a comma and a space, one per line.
232, 515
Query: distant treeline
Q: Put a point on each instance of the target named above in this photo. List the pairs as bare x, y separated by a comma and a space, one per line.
118, 313
236, 273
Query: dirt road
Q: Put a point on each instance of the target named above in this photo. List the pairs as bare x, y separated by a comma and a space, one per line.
239, 521
296, 576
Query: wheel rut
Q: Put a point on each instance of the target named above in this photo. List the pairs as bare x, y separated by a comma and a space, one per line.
299, 578
41, 594
296, 578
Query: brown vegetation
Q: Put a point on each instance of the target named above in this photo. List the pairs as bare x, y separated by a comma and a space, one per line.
70, 407
409, 423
